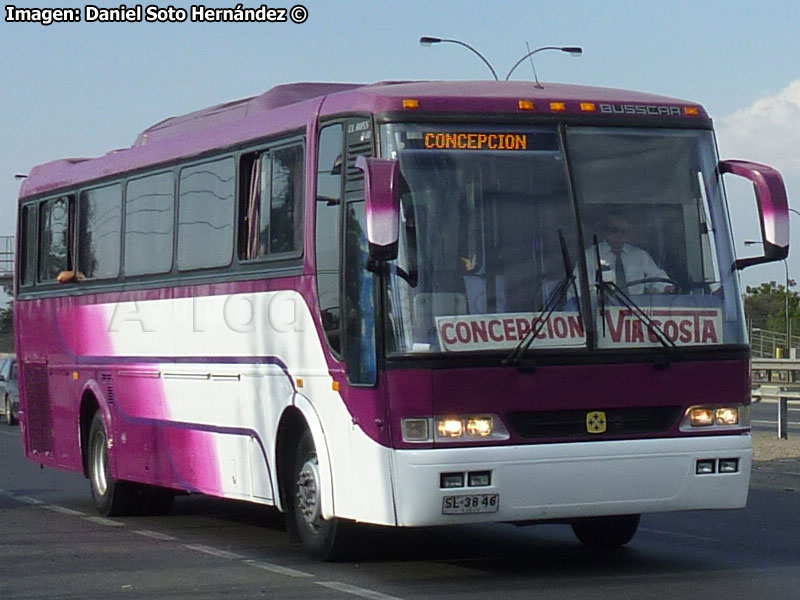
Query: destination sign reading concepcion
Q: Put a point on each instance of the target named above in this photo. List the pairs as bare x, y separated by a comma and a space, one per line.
623, 329
475, 141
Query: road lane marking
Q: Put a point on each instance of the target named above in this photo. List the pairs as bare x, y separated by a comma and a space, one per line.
356, 591
156, 535
28, 500
104, 521
690, 536
63, 510
259, 564
214, 551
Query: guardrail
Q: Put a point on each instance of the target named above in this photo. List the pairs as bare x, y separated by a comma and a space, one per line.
6, 257
777, 379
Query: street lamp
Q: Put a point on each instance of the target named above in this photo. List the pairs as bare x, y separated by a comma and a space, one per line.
427, 41
573, 50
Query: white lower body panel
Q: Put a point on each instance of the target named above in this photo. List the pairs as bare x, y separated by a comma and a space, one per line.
562, 481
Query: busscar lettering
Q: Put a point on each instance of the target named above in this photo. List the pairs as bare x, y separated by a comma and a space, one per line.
43, 16
475, 141
647, 110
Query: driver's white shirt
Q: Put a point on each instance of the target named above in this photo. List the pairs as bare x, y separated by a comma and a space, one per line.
638, 265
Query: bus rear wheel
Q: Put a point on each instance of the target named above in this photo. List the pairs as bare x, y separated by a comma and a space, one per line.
112, 498
326, 539
606, 532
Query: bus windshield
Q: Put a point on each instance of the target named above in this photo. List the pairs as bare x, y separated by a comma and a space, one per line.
584, 238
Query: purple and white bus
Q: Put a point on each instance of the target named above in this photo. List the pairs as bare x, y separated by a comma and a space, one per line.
397, 304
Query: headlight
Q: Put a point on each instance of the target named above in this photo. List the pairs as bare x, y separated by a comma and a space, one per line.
735, 416
454, 428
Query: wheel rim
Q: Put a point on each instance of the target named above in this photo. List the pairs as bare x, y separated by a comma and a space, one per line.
99, 463
308, 501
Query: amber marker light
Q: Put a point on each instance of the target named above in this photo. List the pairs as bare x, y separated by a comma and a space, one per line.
410, 103
558, 106
588, 107
691, 111
526, 105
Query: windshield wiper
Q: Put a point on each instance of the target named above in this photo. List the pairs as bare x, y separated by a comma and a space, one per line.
604, 287
549, 307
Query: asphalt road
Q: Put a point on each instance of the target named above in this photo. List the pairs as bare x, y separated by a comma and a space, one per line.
53, 545
764, 417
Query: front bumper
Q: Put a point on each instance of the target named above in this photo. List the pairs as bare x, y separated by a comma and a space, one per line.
565, 481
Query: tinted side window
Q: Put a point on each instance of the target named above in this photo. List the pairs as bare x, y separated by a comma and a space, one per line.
54, 238
272, 206
99, 232
205, 215
286, 206
149, 228
328, 231
27, 246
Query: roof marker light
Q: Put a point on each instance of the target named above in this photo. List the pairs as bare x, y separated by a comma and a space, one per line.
588, 107
526, 105
691, 111
558, 106
410, 103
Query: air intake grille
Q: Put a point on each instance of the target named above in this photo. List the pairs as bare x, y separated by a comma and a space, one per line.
572, 423
37, 408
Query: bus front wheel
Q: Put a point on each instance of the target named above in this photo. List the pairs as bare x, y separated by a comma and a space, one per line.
606, 532
326, 539
112, 498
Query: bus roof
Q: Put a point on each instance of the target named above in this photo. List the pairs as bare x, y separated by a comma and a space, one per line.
292, 106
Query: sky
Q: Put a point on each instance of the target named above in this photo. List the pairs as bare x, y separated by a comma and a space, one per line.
83, 89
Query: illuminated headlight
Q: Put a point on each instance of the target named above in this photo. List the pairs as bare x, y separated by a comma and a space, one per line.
454, 428
480, 426
727, 416
701, 417
467, 428
450, 428
716, 417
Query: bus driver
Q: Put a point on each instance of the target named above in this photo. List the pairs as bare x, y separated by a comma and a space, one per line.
631, 266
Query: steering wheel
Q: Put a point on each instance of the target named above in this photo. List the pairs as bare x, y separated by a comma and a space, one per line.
647, 280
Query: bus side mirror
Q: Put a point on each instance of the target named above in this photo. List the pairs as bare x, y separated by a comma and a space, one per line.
382, 190
773, 209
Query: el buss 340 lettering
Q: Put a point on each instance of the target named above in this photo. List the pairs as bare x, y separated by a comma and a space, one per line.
373, 374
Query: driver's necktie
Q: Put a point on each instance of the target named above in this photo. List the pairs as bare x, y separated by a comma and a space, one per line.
619, 270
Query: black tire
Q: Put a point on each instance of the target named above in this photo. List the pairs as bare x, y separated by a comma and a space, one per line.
325, 539
112, 498
606, 532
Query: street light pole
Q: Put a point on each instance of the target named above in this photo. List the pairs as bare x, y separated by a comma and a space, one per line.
573, 50
427, 41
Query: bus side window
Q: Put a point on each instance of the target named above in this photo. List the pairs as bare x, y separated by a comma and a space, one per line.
328, 231
99, 232
205, 215
27, 247
149, 224
55, 238
272, 226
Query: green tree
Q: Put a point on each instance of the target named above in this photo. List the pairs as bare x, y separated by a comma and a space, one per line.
765, 307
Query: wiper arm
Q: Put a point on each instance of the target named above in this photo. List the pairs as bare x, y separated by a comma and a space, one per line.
652, 326
604, 286
549, 307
